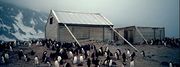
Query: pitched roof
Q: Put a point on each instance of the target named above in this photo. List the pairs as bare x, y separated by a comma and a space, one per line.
68, 17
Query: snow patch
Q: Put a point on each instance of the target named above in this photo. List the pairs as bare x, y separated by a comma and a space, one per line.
5, 26
4, 38
32, 22
39, 31
43, 20
28, 30
20, 24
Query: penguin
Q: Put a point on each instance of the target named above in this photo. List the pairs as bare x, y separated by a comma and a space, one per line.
110, 63
118, 51
133, 55
106, 49
170, 64
124, 57
56, 64
49, 64
40, 43
59, 59
29, 44
88, 52
105, 54
10, 48
36, 60
143, 53
105, 62
61, 51
89, 62
44, 56
37, 43
75, 60
25, 58
82, 50
116, 55
2, 59
20, 54
6, 57
100, 52
128, 53
132, 63
70, 54
81, 59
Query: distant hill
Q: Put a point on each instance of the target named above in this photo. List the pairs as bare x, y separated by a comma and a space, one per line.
20, 23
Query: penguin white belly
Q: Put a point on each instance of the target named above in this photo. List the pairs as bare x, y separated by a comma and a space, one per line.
70, 54
110, 63
81, 59
56, 64
75, 60
36, 60
6, 56
132, 64
59, 58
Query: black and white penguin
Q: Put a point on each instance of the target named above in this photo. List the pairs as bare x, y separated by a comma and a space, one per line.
2, 59
75, 60
118, 51
110, 63
170, 64
6, 57
105, 54
133, 55
89, 62
116, 55
70, 54
81, 59
36, 60
100, 52
124, 57
59, 59
37, 43
128, 53
49, 64
25, 58
56, 64
107, 49
132, 63
29, 44
44, 56
82, 51
20, 54
10, 48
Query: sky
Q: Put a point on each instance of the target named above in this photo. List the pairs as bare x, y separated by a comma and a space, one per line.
122, 13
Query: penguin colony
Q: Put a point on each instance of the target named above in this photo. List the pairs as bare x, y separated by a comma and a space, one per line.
59, 54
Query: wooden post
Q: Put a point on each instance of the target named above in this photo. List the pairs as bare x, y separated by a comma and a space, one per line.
72, 34
141, 35
119, 34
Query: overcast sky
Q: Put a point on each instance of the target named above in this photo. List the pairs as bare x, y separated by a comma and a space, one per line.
153, 13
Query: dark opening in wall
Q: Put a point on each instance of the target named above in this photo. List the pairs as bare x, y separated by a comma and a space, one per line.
51, 20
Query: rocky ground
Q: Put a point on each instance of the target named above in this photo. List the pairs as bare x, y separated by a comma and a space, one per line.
156, 56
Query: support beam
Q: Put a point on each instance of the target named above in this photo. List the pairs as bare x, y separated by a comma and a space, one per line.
72, 34
141, 35
118, 33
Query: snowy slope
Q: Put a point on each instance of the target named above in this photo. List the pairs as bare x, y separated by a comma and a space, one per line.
17, 23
